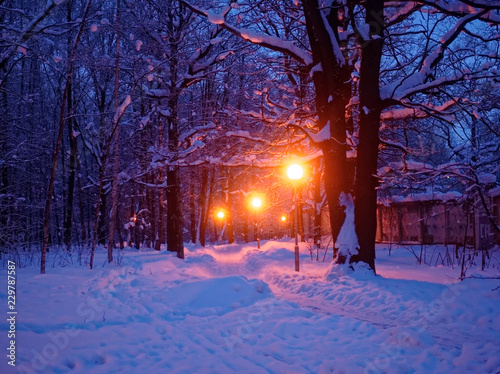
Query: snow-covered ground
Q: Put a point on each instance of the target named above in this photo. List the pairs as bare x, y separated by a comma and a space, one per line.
236, 309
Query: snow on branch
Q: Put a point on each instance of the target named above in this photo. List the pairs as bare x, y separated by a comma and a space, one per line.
316, 138
28, 32
418, 81
462, 7
418, 111
272, 42
246, 135
155, 93
333, 40
193, 131
121, 109
393, 144
199, 70
403, 11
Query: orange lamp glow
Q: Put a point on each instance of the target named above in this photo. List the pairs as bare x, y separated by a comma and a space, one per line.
295, 171
220, 214
256, 202
283, 218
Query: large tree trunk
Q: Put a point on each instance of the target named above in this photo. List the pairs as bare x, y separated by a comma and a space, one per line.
175, 241
161, 215
366, 181
68, 219
192, 206
161, 195
229, 203
203, 203
332, 95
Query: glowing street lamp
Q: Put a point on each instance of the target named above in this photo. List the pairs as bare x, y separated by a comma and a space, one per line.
220, 215
256, 203
295, 172
282, 221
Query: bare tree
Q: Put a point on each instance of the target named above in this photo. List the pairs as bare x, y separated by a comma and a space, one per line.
59, 138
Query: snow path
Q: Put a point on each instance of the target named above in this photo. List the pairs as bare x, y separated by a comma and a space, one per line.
236, 309
312, 292
415, 312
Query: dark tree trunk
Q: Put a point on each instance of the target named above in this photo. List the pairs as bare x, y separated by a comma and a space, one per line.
151, 231
192, 207
332, 95
161, 217
246, 231
152, 199
210, 196
133, 229
101, 223
116, 151
50, 192
119, 229
100, 214
229, 205
366, 182
203, 203
317, 204
161, 195
68, 219
175, 241
83, 227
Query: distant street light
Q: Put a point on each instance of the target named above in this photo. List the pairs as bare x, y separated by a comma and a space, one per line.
295, 172
220, 215
256, 203
283, 221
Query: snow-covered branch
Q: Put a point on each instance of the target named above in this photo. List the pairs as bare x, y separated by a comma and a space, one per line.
421, 80
412, 111
460, 8
27, 33
272, 42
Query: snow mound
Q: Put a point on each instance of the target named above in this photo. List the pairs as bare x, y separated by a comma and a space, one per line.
347, 240
359, 270
216, 296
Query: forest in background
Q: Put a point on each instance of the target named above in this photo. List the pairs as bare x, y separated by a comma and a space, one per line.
131, 121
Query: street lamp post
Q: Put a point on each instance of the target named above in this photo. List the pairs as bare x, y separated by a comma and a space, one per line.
295, 172
256, 204
220, 216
